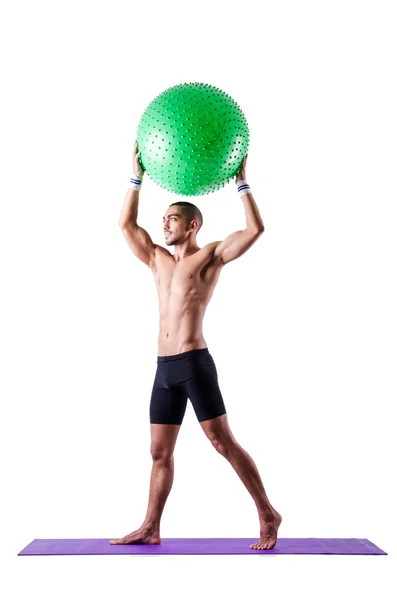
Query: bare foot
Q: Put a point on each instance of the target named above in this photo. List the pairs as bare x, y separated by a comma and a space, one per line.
269, 524
143, 535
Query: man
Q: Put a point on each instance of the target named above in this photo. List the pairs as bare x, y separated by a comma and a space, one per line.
185, 368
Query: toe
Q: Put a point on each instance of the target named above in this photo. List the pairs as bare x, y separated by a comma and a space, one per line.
256, 546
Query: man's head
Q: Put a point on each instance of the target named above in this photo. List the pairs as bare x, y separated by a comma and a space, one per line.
182, 219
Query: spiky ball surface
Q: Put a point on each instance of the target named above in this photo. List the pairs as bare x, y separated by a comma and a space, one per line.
192, 138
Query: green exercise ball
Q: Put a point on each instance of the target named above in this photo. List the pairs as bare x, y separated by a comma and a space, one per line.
192, 139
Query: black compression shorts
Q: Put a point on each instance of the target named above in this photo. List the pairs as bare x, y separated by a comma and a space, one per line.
178, 377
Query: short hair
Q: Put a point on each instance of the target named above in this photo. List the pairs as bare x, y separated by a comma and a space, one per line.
191, 212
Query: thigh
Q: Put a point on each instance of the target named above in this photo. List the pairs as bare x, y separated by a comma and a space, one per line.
204, 392
167, 406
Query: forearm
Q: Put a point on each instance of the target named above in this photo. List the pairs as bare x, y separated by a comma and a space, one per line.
252, 214
129, 212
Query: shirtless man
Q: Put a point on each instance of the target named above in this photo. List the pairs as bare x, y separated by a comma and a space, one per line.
185, 282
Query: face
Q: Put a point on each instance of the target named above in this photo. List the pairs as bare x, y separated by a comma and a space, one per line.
174, 226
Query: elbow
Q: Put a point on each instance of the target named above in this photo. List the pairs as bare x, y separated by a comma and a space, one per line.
258, 228
124, 224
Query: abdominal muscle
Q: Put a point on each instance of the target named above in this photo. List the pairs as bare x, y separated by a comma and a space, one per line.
181, 331
184, 291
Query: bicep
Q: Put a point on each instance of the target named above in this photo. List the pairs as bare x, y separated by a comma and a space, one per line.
140, 243
235, 245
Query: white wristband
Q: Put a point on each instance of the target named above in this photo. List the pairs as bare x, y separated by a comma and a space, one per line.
243, 188
135, 182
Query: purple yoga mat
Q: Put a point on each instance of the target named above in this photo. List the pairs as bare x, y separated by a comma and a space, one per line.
202, 546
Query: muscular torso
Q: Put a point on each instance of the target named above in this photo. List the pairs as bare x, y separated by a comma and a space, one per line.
184, 290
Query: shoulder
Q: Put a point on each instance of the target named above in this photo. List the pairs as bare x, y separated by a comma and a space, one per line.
211, 247
160, 255
161, 251
210, 250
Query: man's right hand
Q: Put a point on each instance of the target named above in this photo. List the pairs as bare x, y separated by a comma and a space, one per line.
240, 175
138, 169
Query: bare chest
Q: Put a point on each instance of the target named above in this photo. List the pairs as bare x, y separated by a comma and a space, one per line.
179, 280
194, 276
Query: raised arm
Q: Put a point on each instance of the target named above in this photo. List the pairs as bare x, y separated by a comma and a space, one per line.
137, 238
237, 243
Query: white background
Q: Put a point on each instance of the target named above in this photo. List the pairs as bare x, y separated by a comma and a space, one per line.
302, 328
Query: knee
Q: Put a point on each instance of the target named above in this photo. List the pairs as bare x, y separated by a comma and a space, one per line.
160, 453
222, 445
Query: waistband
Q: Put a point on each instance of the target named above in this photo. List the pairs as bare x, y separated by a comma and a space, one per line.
183, 355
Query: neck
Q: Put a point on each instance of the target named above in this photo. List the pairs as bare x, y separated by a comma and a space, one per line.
182, 251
